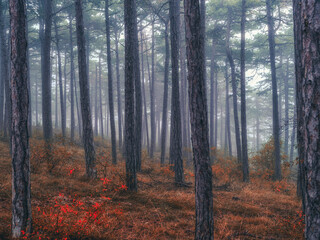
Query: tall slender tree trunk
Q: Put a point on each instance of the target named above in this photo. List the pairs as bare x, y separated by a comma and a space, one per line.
175, 131
62, 105
212, 109
275, 112
228, 130
152, 106
234, 89
165, 98
286, 103
46, 72
84, 93
21, 189
100, 98
96, 128
118, 90
307, 56
130, 45
110, 86
72, 78
216, 112
245, 161
199, 121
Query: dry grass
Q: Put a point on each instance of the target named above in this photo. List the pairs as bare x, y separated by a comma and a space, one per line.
68, 206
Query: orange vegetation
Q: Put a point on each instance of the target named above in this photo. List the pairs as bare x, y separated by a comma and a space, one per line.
68, 206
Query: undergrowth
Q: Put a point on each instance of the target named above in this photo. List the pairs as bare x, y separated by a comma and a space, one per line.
66, 205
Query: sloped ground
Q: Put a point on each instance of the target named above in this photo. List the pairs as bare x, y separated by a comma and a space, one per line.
68, 206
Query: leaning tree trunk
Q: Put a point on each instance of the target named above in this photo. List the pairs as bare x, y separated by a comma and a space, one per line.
175, 131
234, 89
21, 189
307, 54
130, 31
110, 86
84, 95
199, 121
275, 112
244, 151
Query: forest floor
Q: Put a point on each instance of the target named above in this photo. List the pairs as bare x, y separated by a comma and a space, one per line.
65, 205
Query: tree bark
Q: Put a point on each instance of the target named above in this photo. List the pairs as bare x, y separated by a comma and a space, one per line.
46, 72
96, 118
118, 91
175, 131
275, 112
199, 121
72, 122
100, 98
84, 95
130, 45
307, 55
21, 189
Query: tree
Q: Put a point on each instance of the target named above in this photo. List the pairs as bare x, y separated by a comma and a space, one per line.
84, 95
46, 70
110, 86
21, 189
130, 21
175, 136
307, 56
199, 121
275, 112
244, 151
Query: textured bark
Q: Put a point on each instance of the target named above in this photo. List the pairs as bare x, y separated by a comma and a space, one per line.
21, 189
286, 104
118, 91
307, 34
212, 109
46, 71
244, 141
3, 68
62, 106
275, 112
130, 22
110, 86
72, 122
234, 89
77, 106
165, 98
199, 121
175, 131
84, 95
293, 137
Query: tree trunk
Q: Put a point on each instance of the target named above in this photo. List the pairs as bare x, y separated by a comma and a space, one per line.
151, 86
46, 72
130, 45
72, 122
211, 136
228, 130
275, 112
84, 95
216, 113
96, 104
199, 121
118, 91
307, 55
286, 119
165, 98
62, 106
234, 89
244, 151
175, 131
21, 189
100, 98
110, 86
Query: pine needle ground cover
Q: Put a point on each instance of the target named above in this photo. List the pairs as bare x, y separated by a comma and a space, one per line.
68, 206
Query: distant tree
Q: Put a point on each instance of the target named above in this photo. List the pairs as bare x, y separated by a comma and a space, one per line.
275, 112
175, 131
84, 95
130, 21
110, 86
21, 190
199, 121
307, 56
